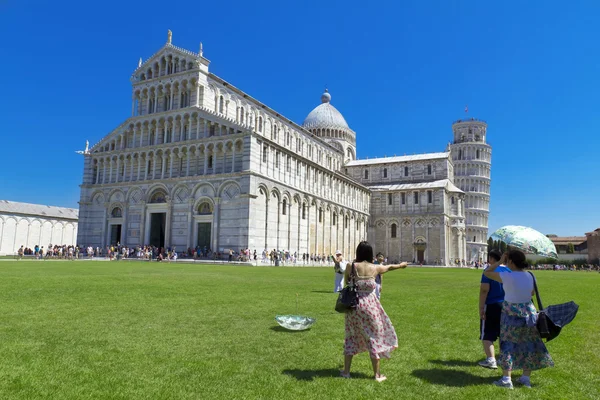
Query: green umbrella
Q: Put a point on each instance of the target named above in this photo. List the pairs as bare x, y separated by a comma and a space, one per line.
526, 239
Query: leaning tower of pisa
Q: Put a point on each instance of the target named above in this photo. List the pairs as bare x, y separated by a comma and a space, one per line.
472, 158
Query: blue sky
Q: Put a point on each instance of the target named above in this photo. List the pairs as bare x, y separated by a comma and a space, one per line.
400, 72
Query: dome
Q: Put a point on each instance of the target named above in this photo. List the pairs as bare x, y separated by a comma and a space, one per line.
325, 116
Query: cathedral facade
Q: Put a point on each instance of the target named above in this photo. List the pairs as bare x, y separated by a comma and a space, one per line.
201, 163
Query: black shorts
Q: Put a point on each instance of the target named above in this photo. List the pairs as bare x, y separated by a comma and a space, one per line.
489, 329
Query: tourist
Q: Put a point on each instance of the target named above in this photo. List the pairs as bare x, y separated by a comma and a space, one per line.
20, 253
368, 328
521, 346
491, 296
378, 261
339, 266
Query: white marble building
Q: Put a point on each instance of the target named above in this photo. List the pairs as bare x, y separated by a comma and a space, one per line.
201, 163
24, 224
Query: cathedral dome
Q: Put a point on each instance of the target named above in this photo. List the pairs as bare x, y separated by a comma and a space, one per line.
325, 116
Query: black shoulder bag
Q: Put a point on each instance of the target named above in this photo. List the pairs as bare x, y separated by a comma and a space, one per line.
348, 297
547, 329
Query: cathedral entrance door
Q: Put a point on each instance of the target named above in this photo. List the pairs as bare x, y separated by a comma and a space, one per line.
158, 222
115, 234
204, 229
421, 255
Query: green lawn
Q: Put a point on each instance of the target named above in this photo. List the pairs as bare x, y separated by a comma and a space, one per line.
133, 330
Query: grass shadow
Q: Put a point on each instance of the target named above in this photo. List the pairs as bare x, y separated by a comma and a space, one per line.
311, 374
453, 378
278, 328
454, 363
323, 291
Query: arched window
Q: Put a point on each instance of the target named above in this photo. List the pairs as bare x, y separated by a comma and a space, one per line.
303, 211
274, 134
241, 115
477, 154
210, 161
385, 172
334, 219
405, 171
474, 239
260, 123
416, 196
284, 207
204, 208
394, 230
460, 154
452, 199
366, 174
221, 104
116, 212
429, 169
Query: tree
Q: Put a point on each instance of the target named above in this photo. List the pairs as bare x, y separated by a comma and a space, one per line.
570, 248
502, 247
490, 243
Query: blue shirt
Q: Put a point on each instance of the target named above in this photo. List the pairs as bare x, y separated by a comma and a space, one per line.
496, 293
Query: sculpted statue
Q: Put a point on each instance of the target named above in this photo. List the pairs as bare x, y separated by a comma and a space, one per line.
169, 36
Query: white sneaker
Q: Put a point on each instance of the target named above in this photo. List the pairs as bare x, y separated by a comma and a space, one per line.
504, 384
524, 382
488, 364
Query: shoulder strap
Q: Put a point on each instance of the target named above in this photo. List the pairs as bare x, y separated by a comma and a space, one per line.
537, 293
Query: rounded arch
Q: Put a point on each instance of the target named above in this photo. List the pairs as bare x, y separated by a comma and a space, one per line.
199, 205
204, 189
116, 195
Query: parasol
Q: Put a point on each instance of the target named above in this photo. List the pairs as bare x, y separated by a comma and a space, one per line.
526, 239
295, 322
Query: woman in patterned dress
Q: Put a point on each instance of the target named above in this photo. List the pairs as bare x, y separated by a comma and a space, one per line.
368, 328
521, 346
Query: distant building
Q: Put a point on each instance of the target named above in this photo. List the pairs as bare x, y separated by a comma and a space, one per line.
562, 244
593, 245
24, 224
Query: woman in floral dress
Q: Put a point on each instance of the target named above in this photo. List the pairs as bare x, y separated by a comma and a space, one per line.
368, 328
521, 346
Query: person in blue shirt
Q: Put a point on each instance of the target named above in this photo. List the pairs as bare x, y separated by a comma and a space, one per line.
491, 296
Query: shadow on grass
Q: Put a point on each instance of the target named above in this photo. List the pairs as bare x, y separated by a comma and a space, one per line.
311, 374
278, 328
448, 377
323, 291
454, 363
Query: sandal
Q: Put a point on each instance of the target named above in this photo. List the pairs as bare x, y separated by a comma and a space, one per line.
345, 376
380, 378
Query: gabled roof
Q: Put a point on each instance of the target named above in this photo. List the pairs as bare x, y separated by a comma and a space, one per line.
398, 159
442, 183
40, 210
173, 49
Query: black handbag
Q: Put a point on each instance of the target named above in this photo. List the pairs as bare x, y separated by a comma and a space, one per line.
548, 330
348, 297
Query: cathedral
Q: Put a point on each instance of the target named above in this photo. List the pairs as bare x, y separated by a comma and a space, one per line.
202, 163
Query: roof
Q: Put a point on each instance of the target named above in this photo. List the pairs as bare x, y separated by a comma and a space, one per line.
398, 159
40, 210
443, 183
576, 240
325, 116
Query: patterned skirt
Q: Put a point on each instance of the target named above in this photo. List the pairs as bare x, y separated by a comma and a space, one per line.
521, 346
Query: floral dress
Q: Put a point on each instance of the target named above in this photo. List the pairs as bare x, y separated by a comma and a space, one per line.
368, 328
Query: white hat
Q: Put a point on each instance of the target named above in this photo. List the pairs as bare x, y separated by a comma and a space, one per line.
337, 252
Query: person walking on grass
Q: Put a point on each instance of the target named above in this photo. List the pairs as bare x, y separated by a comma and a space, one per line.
339, 267
491, 296
521, 345
379, 261
368, 327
